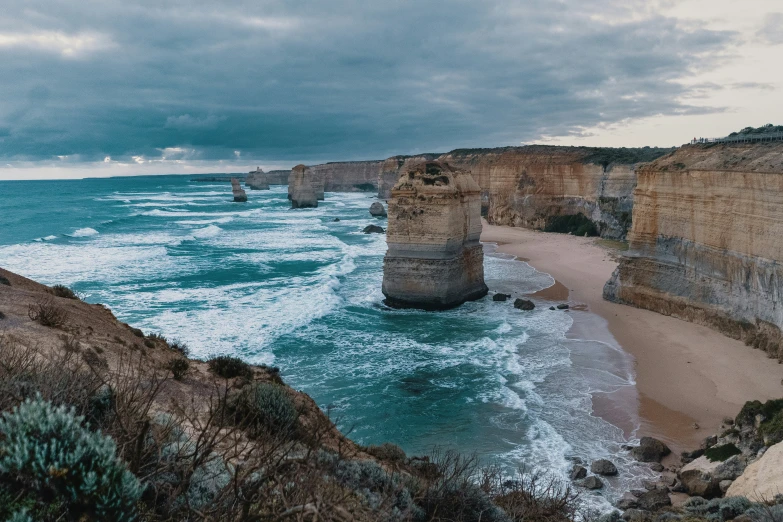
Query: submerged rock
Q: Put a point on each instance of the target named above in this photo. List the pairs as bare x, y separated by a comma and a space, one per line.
578, 472
239, 195
301, 190
500, 297
562, 307
435, 260
377, 209
592, 482
603, 467
256, 180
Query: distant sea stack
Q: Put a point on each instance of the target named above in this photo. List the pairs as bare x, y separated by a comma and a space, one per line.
705, 245
301, 188
434, 259
239, 195
256, 180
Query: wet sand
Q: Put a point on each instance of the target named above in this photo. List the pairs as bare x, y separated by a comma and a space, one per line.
686, 374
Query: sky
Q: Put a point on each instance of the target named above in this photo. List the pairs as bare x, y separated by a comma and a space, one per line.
123, 87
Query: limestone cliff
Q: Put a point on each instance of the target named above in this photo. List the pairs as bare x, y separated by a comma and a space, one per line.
239, 194
434, 259
302, 188
256, 180
705, 243
348, 176
278, 177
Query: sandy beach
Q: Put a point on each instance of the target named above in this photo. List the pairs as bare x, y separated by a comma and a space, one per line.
686, 374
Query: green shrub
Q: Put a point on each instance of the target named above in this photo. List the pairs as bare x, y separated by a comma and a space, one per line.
178, 367
229, 367
137, 332
4, 281
771, 427
64, 291
265, 408
47, 453
576, 224
718, 509
2, 315
721, 453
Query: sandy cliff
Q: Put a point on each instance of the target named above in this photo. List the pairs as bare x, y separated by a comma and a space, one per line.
434, 260
705, 243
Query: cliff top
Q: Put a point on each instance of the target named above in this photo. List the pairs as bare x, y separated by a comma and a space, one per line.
751, 157
436, 178
596, 155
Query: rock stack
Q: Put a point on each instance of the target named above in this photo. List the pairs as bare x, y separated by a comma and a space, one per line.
239, 194
256, 180
301, 189
318, 185
434, 259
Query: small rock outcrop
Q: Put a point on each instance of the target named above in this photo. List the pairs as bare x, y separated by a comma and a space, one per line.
239, 194
301, 189
603, 467
650, 450
654, 500
373, 229
256, 180
592, 482
500, 297
578, 472
524, 305
435, 260
377, 209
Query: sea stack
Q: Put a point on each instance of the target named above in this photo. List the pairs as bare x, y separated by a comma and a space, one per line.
301, 189
377, 209
318, 185
434, 259
239, 194
256, 180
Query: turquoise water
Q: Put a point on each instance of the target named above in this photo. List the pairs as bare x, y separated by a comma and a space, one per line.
295, 289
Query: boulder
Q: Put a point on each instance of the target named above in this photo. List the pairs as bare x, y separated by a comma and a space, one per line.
650, 450
603, 467
698, 483
634, 515
731, 468
377, 209
552, 308
762, 479
627, 501
562, 307
657, 467
500, 297
592, 482
724, 485
373, 229
654, 500
578, 472
524, 304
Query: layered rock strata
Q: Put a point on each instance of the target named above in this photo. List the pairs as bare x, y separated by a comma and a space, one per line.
705, 244
348, 176
256, 180
302, 188
239, 194
434, 259
392, 168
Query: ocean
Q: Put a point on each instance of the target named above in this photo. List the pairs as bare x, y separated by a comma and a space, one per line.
301, 291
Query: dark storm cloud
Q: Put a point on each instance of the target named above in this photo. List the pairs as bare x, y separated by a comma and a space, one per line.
337, 79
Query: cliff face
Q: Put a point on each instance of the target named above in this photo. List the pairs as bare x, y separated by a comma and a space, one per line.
348, 176
528, 186
434, 260
302, 188
705, 243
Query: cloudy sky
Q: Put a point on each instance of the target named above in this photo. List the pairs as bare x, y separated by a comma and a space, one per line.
112, 87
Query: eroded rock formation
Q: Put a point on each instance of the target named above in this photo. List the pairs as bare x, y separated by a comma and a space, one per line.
256, 180
705, 244
377, 209
348, 176
434, 259
301, 188
239, 194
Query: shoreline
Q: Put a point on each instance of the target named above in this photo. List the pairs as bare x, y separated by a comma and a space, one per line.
686, 374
